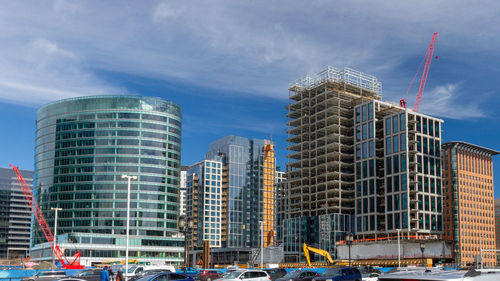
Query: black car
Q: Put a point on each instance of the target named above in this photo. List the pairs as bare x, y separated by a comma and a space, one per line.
89, 275
299, 275
147, 272
340, 274
275, 273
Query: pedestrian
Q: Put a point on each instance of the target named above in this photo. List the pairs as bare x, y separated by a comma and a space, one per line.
119, 275
105, 274
111, 274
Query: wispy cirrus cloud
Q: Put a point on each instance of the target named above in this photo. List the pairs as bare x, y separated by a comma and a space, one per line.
246, 48
450, 102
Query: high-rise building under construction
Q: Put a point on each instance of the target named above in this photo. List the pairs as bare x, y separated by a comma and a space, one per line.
357, 164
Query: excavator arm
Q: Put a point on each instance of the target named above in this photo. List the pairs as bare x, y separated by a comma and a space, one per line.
317, 251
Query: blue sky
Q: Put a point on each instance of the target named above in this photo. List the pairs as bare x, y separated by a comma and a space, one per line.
228, 63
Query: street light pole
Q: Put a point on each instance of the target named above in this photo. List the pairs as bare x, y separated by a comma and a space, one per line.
261, 224
422, 248
55, 237
349, 238
399, 249
129, 178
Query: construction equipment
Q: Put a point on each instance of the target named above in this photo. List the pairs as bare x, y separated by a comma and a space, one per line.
134, 261
428, 59
323, 253
75, 263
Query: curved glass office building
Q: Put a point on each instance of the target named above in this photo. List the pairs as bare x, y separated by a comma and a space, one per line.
83, 147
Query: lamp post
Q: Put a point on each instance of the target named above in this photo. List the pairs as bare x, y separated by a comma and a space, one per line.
422, 248
55, 237
185, 226
348, 239
399, 249
261, 224
129, 178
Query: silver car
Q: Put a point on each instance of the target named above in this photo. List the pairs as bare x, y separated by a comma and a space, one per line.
247, 275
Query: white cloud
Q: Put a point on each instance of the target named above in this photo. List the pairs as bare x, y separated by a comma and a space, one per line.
449, 102
249, 47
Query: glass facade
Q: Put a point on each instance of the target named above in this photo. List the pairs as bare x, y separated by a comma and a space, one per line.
398, 170
15, 215
84, 146
204, 201
244, 161
321, 232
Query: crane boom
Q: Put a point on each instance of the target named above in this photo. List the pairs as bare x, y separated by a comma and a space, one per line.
423, 80
323, 253
75, 264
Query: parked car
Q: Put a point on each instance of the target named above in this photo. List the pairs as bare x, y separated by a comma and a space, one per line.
46, 276
208, 275
369, 273
69, 279
147, 272
247, 275
299, 275
135, 269
275, 273
439, 275
340, 274
165, 276
89, 275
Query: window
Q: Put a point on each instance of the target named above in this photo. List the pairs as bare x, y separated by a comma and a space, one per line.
402, 120
364, 113
370, 111
396, 163
365, 151
395, 141
389, 203
389, 184
395, 124
404, 201
388, 126
403, 162
388, 146
371, 149
396, 183
358, 115
365, 131
388, 167
403, 182
358, 133
370, 129
403, 141
396, 202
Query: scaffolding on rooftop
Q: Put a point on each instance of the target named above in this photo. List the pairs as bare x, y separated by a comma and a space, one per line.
344, 75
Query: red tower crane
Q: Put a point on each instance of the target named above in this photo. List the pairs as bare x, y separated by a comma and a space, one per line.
428, 59
75, 263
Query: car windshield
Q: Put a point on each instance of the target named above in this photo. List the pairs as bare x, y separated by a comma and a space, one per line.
332, 272
130, 270
233, 275
293, 274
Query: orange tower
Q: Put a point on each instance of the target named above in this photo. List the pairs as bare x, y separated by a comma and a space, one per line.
269, 169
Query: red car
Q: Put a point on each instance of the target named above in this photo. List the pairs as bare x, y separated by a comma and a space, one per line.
208, 275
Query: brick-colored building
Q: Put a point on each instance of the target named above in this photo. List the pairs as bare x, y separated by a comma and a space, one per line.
469, 207
497, 222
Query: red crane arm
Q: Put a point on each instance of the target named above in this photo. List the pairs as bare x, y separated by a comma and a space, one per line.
43, 224
428, 60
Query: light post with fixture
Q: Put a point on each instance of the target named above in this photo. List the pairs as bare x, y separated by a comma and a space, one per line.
422, 248
55, 237
185, 226
129, 178
348, 239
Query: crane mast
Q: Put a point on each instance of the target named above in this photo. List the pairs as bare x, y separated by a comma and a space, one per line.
423, 80
75, 264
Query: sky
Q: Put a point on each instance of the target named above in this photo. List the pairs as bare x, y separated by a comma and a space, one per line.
229, 63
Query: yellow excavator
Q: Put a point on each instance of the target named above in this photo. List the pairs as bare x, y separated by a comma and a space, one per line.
317, 251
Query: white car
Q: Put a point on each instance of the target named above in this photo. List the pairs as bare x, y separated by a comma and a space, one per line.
246, 275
